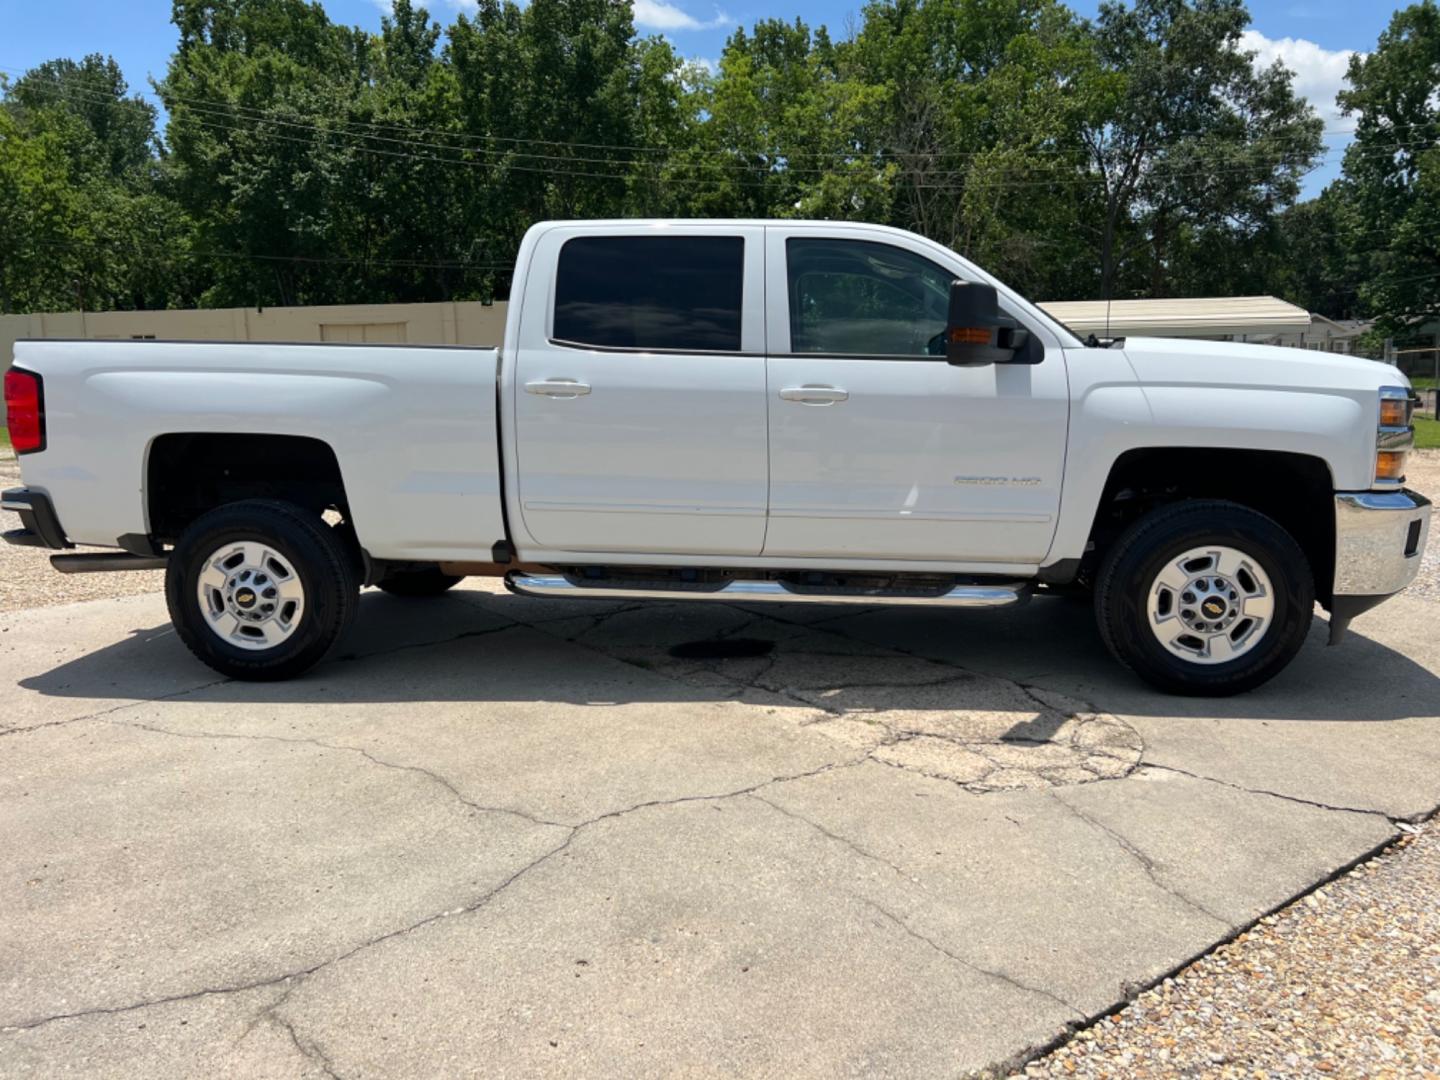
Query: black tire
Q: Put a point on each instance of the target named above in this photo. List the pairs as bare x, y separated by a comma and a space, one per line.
320, 560
415, 583
1129, 570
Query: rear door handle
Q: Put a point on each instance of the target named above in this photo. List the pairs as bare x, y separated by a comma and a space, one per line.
814, 394
561, 388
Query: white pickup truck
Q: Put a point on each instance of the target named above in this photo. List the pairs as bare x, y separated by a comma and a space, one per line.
747, 411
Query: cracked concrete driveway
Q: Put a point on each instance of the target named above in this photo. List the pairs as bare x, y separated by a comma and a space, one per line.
505, 836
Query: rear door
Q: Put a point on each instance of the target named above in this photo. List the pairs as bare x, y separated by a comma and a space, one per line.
878, 447
640, 391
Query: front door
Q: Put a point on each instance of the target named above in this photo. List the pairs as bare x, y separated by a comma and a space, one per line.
878, 447
640, 391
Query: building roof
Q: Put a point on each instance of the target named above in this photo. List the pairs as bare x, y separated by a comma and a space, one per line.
1252, 316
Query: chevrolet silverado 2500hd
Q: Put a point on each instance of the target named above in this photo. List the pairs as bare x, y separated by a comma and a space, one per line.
807, 412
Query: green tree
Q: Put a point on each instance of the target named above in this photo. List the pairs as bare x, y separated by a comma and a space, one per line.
84, 206
41, 220
934, 62
259, 94
1189, 137
787, 133
1392, 169
1301, 256
114, 127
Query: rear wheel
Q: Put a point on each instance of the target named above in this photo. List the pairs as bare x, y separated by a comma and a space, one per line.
1205, 598
430, 582
260, 590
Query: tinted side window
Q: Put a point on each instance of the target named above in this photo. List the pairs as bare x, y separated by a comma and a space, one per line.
651, 292
861, 297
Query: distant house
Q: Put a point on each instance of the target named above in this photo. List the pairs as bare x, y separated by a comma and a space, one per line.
1328, 335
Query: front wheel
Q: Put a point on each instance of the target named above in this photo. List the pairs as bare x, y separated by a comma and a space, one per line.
1205, 597
260, 590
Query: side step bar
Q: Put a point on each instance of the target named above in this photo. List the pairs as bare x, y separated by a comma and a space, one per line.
999, 594
91, 562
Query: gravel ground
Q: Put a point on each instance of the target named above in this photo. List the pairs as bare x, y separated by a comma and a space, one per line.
1423, 474
1344, 983
27, 579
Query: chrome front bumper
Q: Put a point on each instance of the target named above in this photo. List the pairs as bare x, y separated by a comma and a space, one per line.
1379, 539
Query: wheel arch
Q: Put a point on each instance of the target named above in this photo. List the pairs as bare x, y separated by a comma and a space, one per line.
187, 474
1296, 490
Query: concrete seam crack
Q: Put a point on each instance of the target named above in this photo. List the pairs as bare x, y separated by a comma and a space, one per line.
1147, 864
102, 713
990, 973
420, 770
823, 831
167, 999
1264, 791
718, 797
301, 973
309, 1047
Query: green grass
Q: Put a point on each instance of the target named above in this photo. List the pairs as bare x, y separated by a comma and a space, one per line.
4, 442
1427, 433
1422, 382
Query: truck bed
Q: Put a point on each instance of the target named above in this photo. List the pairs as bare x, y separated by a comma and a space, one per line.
413, 429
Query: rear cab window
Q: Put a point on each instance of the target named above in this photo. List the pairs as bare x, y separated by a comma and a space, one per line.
650, 293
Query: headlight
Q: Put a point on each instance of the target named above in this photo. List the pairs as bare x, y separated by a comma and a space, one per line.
1394, 435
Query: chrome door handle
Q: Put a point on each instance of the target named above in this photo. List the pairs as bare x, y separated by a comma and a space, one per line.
814, 394
561, 388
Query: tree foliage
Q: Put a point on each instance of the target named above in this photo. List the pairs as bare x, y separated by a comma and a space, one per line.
83, 199
1392, 169
1139, 153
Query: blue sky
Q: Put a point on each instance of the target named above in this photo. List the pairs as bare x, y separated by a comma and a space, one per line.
1313, 37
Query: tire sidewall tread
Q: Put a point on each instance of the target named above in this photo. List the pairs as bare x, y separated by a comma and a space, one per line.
1128, 570
319, 555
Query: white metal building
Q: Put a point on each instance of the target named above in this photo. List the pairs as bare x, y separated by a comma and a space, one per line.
1261, 319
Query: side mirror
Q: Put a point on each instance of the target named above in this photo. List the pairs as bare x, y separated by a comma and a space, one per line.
975, 332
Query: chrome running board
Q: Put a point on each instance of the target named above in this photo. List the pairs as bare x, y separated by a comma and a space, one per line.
999, 594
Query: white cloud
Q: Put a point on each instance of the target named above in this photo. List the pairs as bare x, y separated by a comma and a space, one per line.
1319, 72
659, 15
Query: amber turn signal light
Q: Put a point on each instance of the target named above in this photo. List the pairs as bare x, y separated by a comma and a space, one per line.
969, 335
1394, 412
1390, 465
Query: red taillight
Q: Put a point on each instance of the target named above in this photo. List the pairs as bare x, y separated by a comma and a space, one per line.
25, 410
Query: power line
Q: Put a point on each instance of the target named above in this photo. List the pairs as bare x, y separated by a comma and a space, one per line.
959, 180
226, 108
523, 140
196, 253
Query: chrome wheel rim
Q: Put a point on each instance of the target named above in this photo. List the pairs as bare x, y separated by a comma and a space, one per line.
251, 595
1210, 605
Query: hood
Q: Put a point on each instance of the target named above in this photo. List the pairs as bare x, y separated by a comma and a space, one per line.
1191, 361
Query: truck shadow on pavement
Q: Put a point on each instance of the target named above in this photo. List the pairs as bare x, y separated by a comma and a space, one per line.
1029, 669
